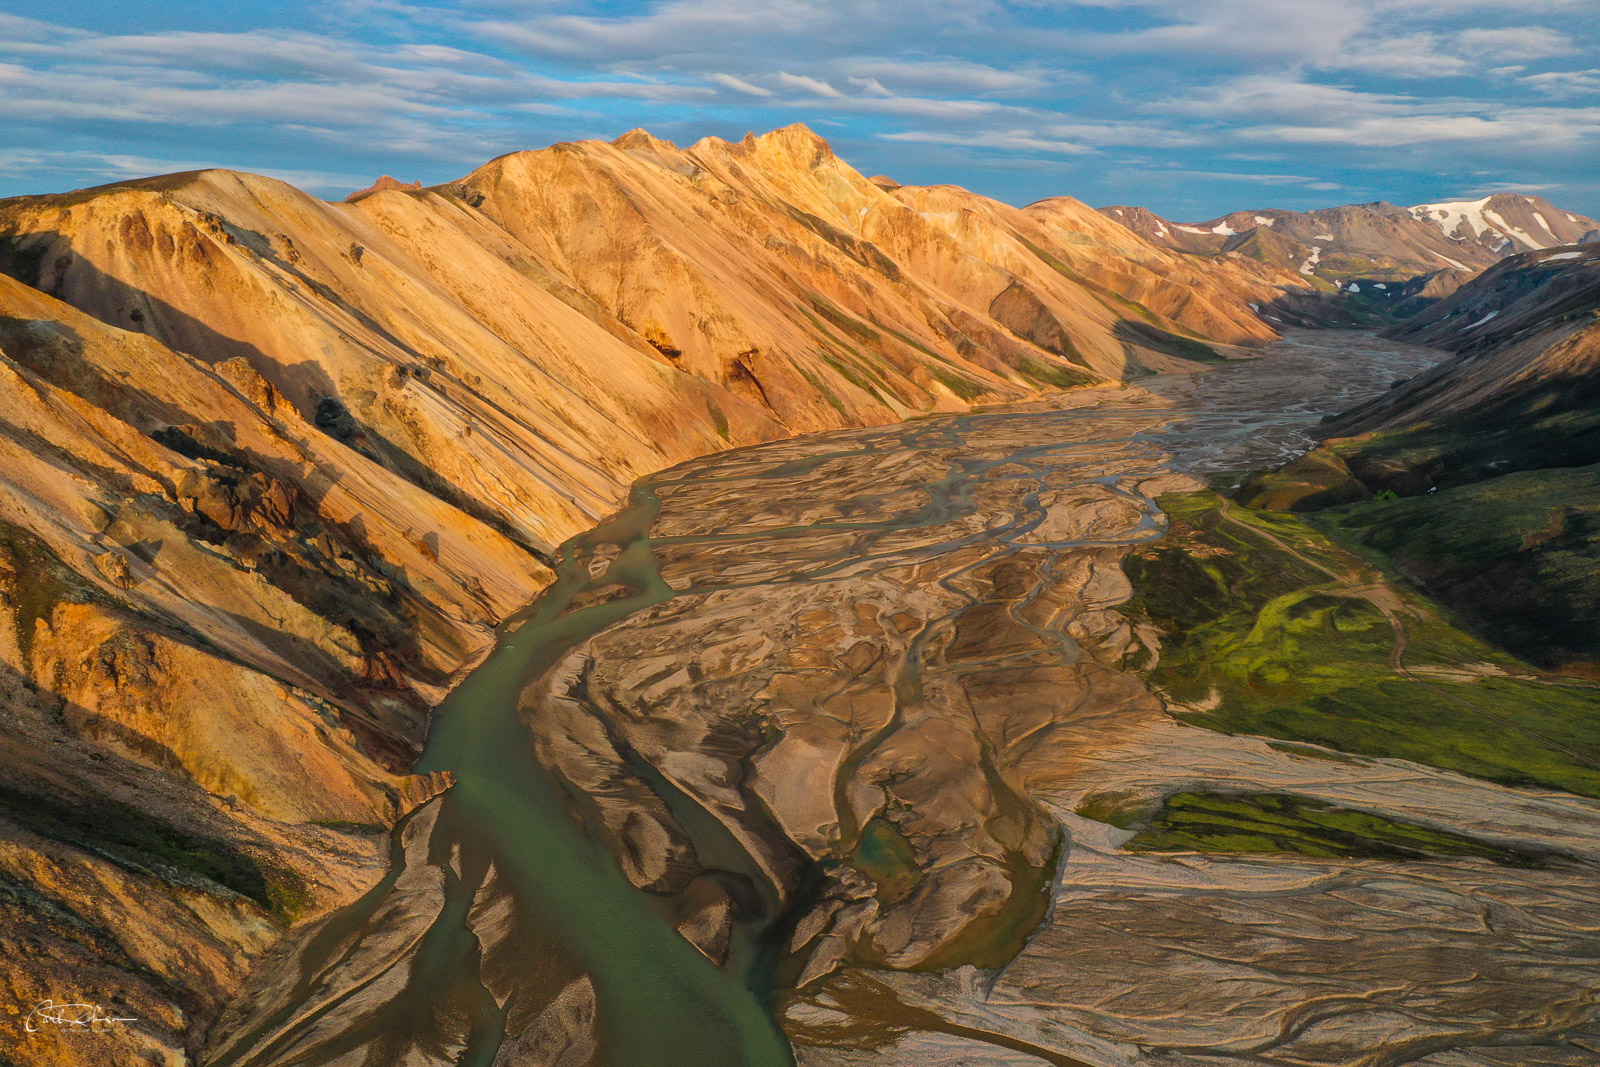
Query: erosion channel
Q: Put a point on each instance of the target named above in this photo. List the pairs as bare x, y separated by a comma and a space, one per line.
783, 725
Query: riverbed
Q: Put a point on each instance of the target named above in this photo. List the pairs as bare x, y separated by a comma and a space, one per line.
784, 766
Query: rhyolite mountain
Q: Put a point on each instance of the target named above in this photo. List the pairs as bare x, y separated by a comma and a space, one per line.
1398, 258
275, 468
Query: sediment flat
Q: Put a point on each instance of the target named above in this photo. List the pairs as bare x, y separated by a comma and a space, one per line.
806, 757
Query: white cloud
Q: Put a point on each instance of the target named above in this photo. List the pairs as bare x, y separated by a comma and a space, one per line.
1022, 140
815, 86
946, 76
1511, 43
1565, 82
869, 86
108, 167
740, 85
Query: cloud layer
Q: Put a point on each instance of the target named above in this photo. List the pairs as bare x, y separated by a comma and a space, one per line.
1191, 106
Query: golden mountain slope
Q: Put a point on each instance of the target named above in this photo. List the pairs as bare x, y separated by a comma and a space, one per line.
272, 468
220, 631
527, 341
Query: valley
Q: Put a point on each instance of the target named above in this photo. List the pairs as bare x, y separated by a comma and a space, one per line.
874, 720
652, 605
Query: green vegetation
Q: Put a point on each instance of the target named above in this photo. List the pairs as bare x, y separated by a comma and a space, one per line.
846, 322
1553, 425
1256, 639
965, 388
827, 394
1276, 822
1125, 811
1109, 299
855, 378
42, 582
1516, 557
1154, 337
719, 418
1050, 374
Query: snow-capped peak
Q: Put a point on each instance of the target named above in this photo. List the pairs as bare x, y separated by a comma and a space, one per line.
1465, 220
1452, 215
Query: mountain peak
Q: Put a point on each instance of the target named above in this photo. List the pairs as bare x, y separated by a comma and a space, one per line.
798, 142
383, 184
638, 137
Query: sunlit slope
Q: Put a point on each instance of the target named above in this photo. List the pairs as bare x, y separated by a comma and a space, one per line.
220, 632
525, 342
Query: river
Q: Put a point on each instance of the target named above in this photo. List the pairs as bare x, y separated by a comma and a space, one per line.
764, 718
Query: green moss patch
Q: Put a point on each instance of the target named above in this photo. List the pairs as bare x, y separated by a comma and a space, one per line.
1258, 641
1277, 822
140, 840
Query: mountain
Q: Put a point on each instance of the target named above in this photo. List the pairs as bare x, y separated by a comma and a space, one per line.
1375, 245
276, 468
1481, 476
731, 292
1527, 337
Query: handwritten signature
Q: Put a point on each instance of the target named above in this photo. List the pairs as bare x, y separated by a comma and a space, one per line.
73, 1016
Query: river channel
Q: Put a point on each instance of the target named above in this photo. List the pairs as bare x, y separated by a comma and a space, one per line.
778, 715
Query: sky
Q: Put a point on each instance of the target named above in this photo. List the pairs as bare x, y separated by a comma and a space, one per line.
1191, 107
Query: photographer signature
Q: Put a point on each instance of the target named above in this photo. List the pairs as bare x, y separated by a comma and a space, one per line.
75, 1016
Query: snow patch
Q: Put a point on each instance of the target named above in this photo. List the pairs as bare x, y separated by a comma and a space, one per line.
1545, 223
1354, 288
1323, 236
1562, 255
1261, 221
1224, 229
1506, 228
1453, 263
1452, 215
1379, 285
1483, 320
1310, 265
1190, 229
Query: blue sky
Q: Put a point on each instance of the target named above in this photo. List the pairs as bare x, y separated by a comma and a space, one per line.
1192, 107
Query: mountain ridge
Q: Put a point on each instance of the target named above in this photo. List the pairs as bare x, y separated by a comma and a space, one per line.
1379, 242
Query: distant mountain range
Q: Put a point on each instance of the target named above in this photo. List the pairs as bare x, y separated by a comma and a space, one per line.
1372, 247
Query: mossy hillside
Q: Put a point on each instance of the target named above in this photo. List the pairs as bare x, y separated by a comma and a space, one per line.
1517, 558
1319, 479
1154, 337
1556, 425
1258, 641
1279, 823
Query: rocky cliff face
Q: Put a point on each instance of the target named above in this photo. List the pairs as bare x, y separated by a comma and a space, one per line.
275, 468
220, 631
